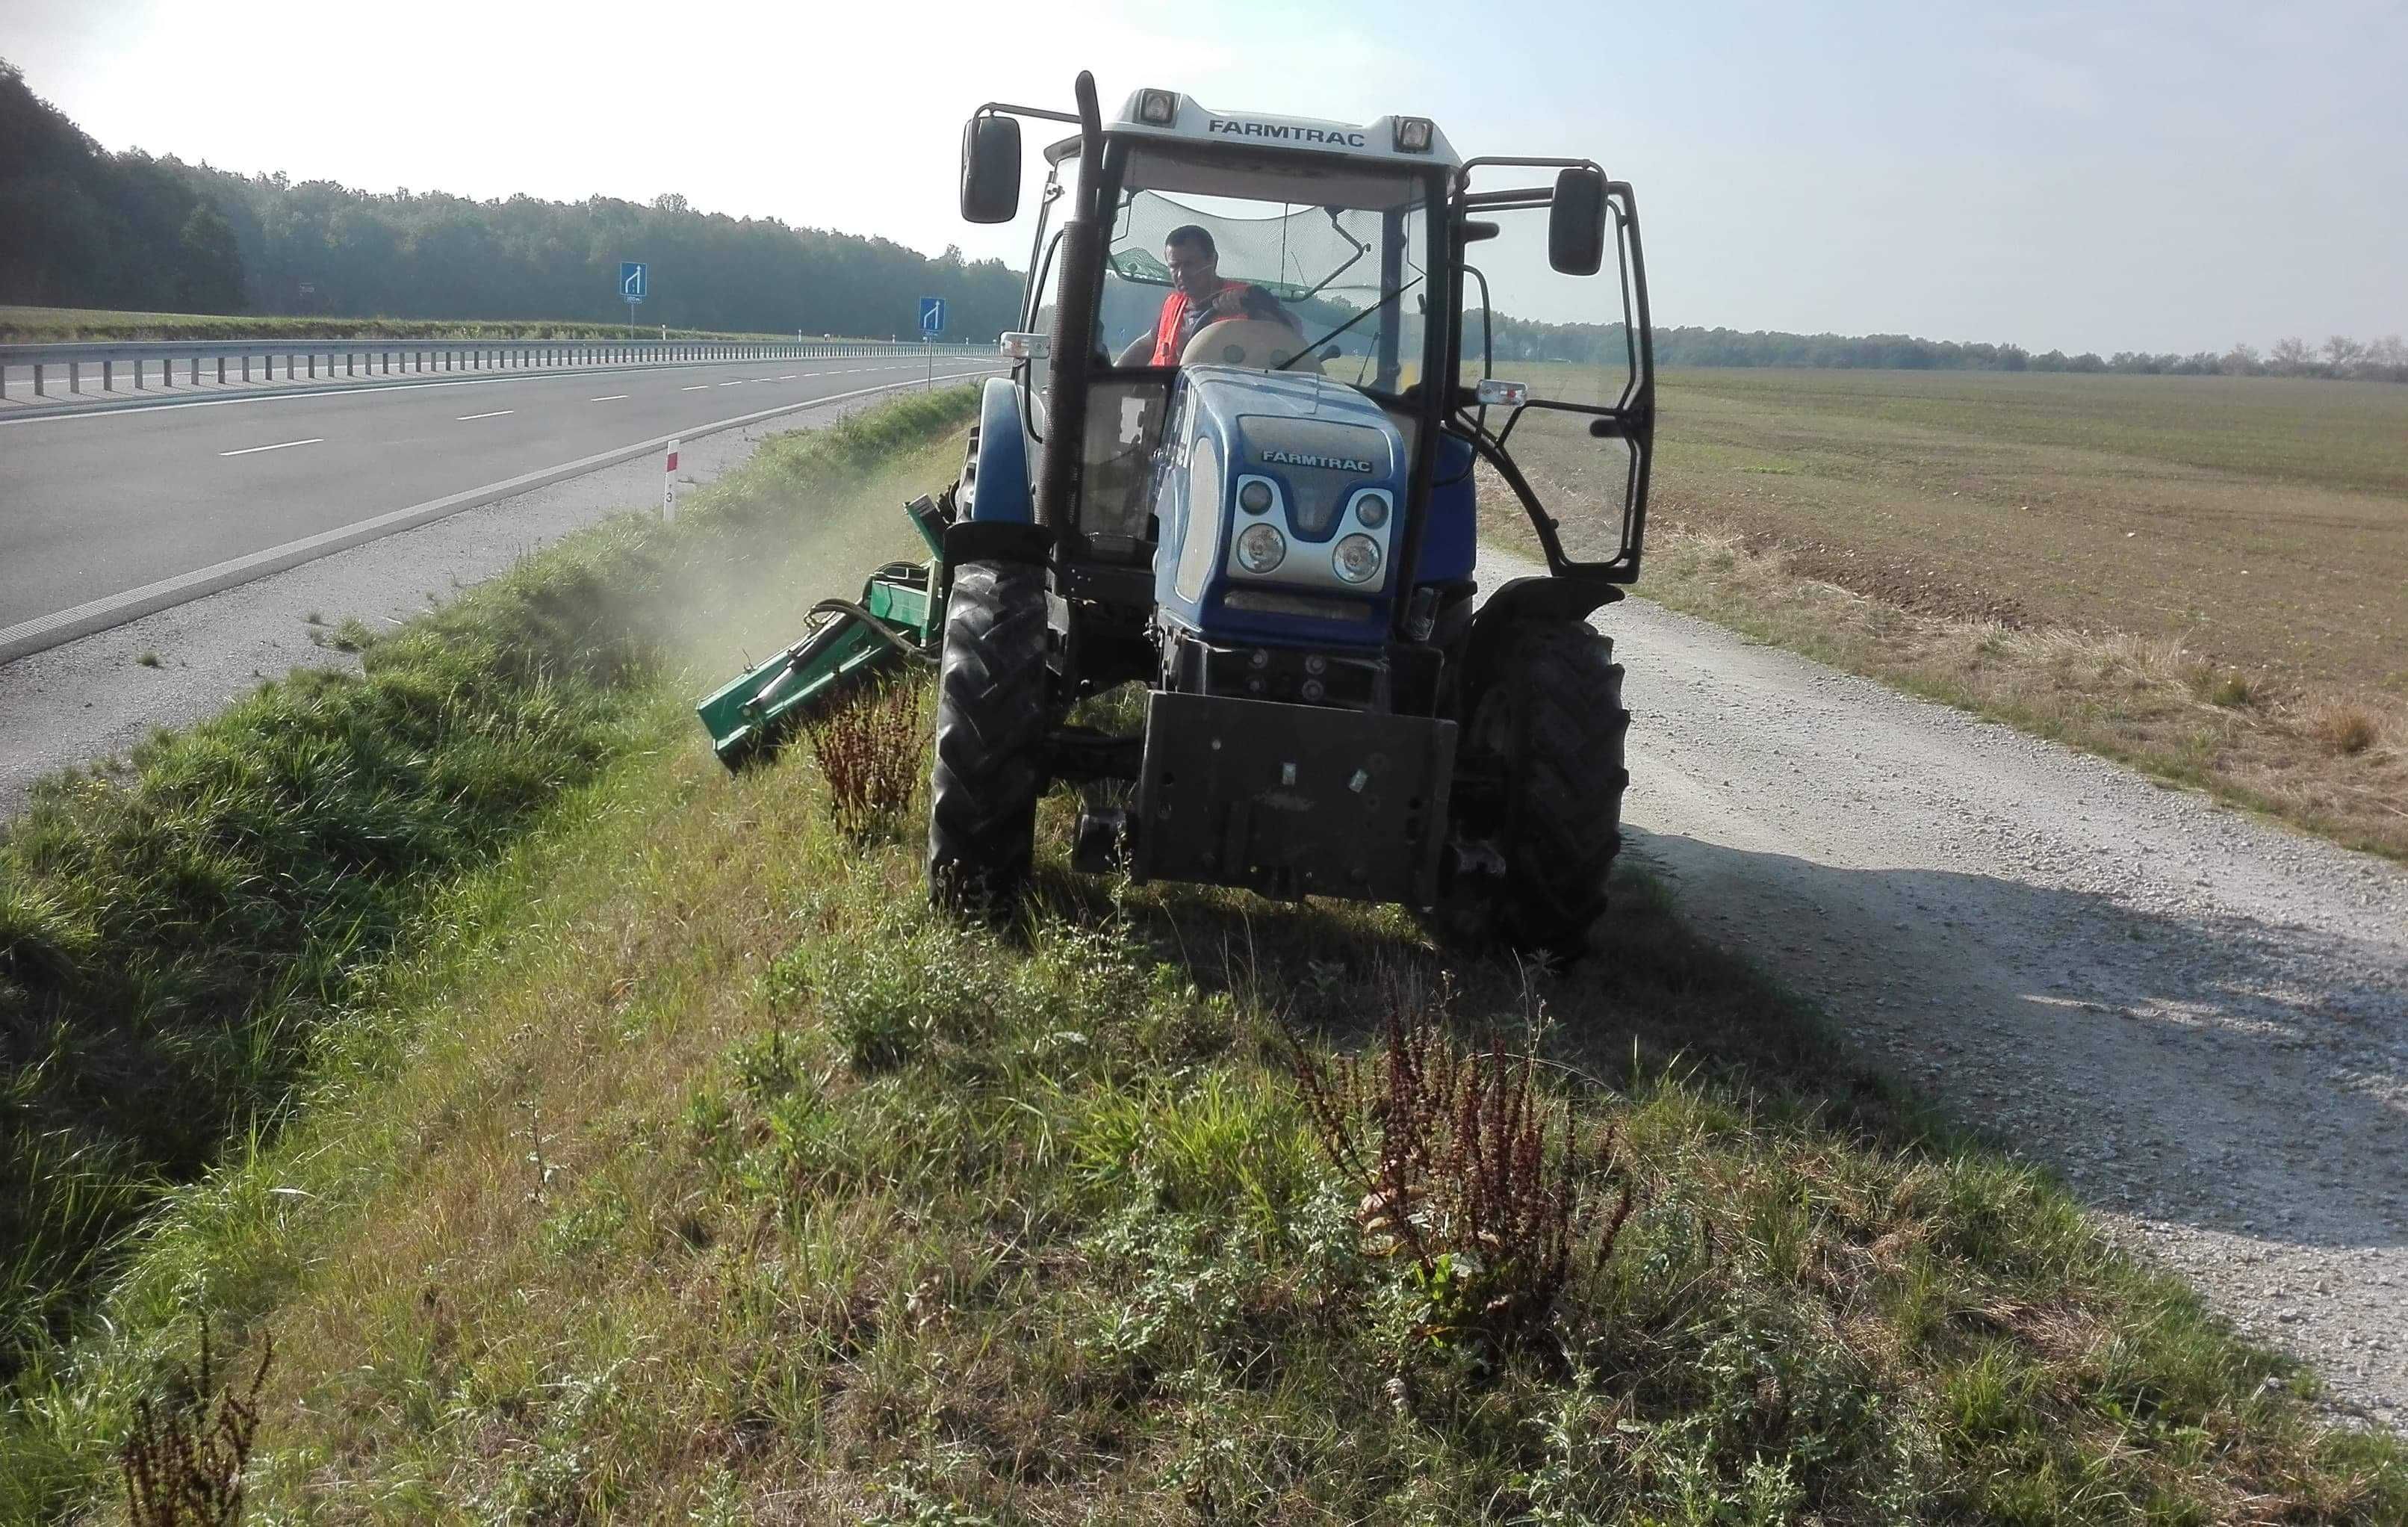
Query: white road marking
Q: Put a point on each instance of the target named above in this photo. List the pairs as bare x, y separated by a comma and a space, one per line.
731, 385
788, 376
612, 398
496, 414
282, 445
697, 387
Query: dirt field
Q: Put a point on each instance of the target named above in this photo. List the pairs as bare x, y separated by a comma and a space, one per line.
2207, 577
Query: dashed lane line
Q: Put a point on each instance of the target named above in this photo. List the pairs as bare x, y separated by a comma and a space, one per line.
496, 414
280, 445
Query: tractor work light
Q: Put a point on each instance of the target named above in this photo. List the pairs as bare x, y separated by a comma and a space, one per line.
1254, 496
1357, 559
1158, 108
1261, 548
1414, 134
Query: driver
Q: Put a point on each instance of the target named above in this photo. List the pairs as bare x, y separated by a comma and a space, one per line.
1198, 296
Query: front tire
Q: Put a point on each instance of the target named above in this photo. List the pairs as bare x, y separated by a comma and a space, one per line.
990, 718
1550, 728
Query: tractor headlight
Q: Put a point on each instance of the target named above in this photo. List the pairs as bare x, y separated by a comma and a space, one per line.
1372, 510
1262, 548
1357, 559
1254, 495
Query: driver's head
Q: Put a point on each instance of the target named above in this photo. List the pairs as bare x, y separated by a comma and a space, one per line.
1194, 264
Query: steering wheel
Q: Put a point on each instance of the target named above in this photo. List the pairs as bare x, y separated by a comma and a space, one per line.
1256, 342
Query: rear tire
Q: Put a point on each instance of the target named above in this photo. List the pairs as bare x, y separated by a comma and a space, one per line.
1550, 725
991, 722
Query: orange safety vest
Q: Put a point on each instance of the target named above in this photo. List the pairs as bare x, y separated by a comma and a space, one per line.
1174, 313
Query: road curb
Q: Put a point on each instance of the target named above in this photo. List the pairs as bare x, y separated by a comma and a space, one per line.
44, 632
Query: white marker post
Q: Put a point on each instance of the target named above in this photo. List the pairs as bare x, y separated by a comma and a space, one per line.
668, 484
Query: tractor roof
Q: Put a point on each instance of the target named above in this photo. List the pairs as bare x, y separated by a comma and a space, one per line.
1189, 118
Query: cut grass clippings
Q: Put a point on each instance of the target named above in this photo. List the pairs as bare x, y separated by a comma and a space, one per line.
178, 932
687, 1169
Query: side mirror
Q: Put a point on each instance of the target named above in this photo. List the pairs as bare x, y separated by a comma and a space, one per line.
1576, 224
991, 170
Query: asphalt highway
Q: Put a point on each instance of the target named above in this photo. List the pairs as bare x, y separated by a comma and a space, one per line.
95, 505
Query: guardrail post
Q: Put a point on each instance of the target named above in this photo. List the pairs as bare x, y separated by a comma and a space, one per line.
38, 379
108, 376
74, 376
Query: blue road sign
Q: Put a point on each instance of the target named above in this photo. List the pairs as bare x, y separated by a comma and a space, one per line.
631, 279
932, 315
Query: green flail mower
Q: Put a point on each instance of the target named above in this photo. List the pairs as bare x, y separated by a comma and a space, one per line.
898, 620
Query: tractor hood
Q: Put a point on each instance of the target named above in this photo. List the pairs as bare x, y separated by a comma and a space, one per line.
1279, 512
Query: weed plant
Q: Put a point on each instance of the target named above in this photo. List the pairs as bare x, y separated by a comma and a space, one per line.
183, 1462
1449, 1148
869, 750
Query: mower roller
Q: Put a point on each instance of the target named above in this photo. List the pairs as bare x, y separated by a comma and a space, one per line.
1235, 464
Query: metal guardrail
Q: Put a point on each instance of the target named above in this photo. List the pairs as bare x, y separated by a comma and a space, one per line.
148, 361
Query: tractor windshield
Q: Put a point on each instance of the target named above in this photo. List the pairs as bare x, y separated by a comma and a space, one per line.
1294, 266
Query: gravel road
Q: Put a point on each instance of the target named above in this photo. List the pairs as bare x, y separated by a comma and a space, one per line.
2200, 1019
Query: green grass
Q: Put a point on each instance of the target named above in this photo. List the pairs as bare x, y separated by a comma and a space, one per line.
56, 325
682, 1167
177, 929
2339, 435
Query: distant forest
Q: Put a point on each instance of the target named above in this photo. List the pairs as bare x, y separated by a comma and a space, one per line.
2379, 360
81, 227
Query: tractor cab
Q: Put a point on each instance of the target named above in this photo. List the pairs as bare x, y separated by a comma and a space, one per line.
1259, 390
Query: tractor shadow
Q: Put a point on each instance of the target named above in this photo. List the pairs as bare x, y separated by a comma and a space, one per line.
2205, 1069
2180, 1070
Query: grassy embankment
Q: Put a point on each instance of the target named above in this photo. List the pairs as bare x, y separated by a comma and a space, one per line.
674, 1165
2200, 576
58, 325
179, 931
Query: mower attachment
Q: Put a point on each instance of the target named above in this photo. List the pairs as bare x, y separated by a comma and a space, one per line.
897, 621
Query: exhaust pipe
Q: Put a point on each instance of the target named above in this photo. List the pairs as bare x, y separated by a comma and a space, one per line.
1074, 327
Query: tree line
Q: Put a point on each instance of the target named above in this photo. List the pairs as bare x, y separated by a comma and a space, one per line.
81, 227
2379, 360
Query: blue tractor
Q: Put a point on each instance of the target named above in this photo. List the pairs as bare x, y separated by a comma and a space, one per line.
1238, 462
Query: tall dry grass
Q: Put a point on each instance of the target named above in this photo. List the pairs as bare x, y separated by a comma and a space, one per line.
2332, 760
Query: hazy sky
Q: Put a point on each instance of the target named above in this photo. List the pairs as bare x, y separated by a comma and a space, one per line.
2138, 175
